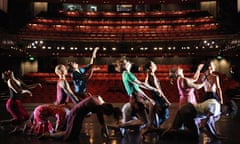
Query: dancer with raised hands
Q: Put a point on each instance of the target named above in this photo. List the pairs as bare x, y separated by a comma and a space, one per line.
81, 75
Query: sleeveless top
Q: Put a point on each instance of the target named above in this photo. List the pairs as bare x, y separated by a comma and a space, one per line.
155, 95
61, 95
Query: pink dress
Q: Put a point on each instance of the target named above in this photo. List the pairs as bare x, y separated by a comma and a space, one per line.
186, 93
41, 115
61, 95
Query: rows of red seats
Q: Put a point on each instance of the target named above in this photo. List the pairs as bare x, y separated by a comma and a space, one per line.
127, 26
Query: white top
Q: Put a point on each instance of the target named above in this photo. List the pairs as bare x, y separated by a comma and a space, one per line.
209, 106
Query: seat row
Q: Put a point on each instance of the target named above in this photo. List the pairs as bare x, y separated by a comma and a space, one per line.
131, 22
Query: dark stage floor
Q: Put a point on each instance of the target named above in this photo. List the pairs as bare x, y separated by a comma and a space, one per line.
92, 135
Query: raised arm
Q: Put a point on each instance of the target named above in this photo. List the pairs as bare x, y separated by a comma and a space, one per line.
94, 55
197, 73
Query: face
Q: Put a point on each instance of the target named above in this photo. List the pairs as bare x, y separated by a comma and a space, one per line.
153, 66
127, 64
64, 70
74, 65
212, 67
7, 75
61, 70
179, 71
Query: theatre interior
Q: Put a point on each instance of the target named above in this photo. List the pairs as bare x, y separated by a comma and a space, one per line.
37, 35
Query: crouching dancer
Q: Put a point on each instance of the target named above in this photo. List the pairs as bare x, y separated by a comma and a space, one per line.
94, 104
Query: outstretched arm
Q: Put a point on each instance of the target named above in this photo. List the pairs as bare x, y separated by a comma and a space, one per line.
160, 90
191, 83
91, 72
145, 86
17, 88
30, 86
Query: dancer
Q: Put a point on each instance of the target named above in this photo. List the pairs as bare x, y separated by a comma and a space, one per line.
162, 103
63, 88
94, 104
208, 111
186, 86
129, 120
40, 120
212, 86
14, 106
138, 99
80, 77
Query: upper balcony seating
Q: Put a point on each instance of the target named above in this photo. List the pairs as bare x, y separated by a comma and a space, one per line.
122, 26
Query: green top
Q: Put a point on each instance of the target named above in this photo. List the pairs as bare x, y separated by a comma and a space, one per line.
128, 79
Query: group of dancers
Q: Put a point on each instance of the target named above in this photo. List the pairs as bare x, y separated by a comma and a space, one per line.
141, 110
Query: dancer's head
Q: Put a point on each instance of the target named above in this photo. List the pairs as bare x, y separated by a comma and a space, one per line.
72, 66
175, 72
150, 67
125, 64
209, 67
7, 75
60, 70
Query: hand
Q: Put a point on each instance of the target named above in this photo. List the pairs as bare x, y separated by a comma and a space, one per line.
96, 48
153, 102
27, 91
40, 85
96, 68
200, 66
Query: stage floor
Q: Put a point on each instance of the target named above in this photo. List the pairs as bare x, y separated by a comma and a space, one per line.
92, 134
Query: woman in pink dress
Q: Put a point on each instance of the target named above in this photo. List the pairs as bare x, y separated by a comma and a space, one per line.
64, 91
185, 85
40, 121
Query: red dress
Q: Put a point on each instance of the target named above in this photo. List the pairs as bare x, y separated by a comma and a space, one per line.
42, 114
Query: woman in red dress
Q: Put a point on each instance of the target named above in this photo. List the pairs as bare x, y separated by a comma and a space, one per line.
93, 104
40, 122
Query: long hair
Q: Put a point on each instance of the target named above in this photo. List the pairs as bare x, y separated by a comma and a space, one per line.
6, 75
147, 66
70, 67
